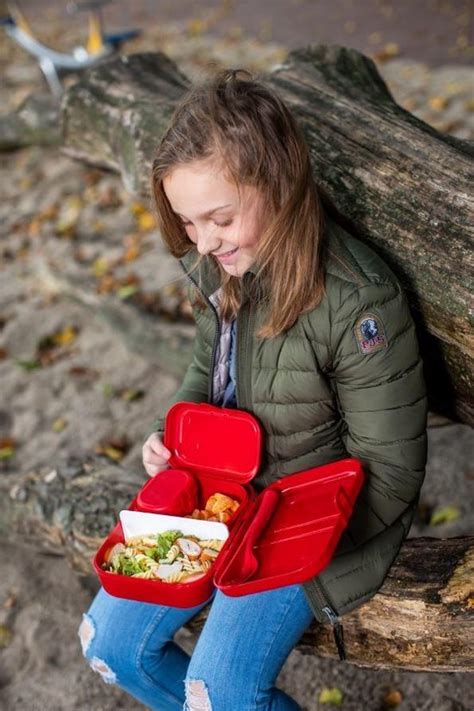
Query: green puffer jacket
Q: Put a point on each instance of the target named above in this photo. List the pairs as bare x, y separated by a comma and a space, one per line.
345, 380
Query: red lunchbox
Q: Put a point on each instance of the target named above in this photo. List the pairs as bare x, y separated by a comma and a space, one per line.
284, 535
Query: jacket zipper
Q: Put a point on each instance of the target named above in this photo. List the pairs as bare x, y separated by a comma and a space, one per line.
210, 387
243, 343
336, 624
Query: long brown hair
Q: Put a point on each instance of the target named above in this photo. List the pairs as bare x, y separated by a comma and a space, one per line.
245, 127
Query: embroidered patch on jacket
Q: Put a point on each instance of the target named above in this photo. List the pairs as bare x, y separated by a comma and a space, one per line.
370, 333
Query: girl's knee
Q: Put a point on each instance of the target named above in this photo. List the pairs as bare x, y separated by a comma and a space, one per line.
206, 689
87, 633
197, 695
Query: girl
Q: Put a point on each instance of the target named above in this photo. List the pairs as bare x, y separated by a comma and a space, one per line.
309, 330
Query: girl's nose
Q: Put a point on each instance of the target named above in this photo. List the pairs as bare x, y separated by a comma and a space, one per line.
206, 242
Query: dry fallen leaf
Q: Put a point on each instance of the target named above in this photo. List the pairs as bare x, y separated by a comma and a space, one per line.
388, 51
66, 336
127, 286
132, 247
106, 284
332, 696
100, 266
113, 453
59, 424
438, 102
137, 207
114, 448
392, 698
146, 221
125, 291
7, 447
54, 346
444, 514
10, 601
129, 394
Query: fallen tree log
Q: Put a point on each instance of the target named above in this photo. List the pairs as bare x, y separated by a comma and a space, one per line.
34, 123
421, 619
386, 176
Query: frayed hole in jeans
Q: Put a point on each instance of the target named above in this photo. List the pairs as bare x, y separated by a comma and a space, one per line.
86, 632
197, 698
99, 666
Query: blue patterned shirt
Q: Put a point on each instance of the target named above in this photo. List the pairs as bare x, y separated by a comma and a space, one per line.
229, 399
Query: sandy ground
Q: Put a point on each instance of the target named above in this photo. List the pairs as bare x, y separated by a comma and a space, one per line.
86, 228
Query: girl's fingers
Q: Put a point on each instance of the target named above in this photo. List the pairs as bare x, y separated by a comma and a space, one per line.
151, 470
151, 456
156, 447
155, 455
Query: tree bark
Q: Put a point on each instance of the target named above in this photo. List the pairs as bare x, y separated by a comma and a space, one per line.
420, 619
386, 176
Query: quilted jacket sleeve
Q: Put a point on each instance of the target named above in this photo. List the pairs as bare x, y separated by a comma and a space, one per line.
381, 393
194, 387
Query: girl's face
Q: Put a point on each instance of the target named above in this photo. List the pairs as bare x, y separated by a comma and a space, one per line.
208, 206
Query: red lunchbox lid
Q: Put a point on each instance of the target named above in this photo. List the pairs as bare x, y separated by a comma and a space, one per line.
219, 441
291, 530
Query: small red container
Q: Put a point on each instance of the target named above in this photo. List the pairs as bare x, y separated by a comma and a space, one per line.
285, 535
171, 491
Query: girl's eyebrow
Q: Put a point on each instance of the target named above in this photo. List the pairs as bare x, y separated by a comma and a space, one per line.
210, 212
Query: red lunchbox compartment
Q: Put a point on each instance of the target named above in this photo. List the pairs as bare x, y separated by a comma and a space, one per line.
172, 594
220, 448
285, 535
171, 491
290, 531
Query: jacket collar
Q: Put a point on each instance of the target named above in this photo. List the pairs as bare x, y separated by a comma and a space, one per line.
207, 274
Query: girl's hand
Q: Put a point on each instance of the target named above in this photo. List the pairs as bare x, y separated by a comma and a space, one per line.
155, 455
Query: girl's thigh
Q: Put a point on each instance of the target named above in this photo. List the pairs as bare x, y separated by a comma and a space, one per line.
242, 647
117, 634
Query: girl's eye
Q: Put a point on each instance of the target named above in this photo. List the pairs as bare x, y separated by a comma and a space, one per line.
218, 224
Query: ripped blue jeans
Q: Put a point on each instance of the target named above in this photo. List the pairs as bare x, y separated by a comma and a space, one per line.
237, 658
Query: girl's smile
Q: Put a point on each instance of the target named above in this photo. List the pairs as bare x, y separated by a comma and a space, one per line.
227, 257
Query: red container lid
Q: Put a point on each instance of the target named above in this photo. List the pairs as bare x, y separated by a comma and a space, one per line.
219, 441
290, 532
171, 491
